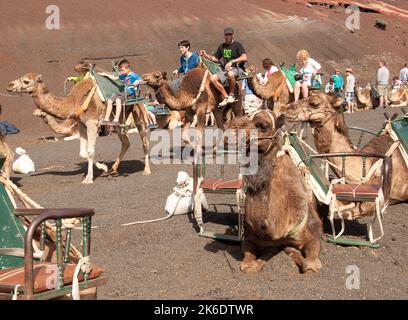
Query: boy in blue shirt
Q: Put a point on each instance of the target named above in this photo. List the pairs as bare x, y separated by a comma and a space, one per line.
128, 77
188, 59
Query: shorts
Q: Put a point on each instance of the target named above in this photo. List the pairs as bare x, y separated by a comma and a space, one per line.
121, 97
382, 90
307, 78
349, 97
222, 75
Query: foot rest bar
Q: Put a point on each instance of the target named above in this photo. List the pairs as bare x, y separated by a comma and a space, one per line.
219, 236
350, 242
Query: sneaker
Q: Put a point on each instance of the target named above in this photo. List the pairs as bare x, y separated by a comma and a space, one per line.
153, 126
223, 103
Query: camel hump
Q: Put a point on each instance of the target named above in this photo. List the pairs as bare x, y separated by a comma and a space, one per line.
80, 91
192, 80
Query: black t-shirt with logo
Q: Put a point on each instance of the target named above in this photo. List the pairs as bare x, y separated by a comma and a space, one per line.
227, 52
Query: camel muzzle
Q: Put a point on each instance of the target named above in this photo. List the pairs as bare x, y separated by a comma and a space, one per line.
11, 87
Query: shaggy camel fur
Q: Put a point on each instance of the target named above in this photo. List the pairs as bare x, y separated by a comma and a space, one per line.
183, 100
88, 121
280, 210
330, 133
68, 127
275, 90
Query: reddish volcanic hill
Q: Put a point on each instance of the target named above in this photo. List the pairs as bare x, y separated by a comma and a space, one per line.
147, 32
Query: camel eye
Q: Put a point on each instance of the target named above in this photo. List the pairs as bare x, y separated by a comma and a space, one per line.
26, 82
314, 104
261, 125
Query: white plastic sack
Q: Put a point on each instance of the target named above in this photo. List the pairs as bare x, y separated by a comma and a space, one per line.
181, 201
23, 164
183, 206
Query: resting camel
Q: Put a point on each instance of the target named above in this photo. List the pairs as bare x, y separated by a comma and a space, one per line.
191, 100
280, 210
324, 114
275, 90
68, 127
399, 97
65, 107
364, 98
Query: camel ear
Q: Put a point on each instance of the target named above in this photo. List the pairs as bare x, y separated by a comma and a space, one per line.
38, 78
164, 75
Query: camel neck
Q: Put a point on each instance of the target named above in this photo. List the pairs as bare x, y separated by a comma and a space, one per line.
332, 136
166, 95
53, 105
265, 91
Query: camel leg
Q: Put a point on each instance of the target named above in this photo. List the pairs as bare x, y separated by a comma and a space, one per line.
125, 144
249, 262
311, 251
141, 128
73, 137
83, 141
267, 254
200, 129
219, 119
296, 256
189, 118
92, 132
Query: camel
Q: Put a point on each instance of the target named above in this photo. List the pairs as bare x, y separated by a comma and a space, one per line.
280, 210
399, 97
196, 97
68, 127
324, 114
365, 99
88, 120
275, 90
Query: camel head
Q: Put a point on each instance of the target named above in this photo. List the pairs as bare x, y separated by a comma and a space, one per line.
155, 79
266, 123
316, 109
25, 84
82, 67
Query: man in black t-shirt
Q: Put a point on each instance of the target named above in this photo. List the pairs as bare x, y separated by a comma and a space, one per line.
232, 56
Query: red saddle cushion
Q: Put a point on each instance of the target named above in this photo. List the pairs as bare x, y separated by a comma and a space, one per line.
42, 272
356, 190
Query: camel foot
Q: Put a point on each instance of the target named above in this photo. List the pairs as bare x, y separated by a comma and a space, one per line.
73, 137
146, 172
102, 167
311, 266
83, 155
250, 267
88, 180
